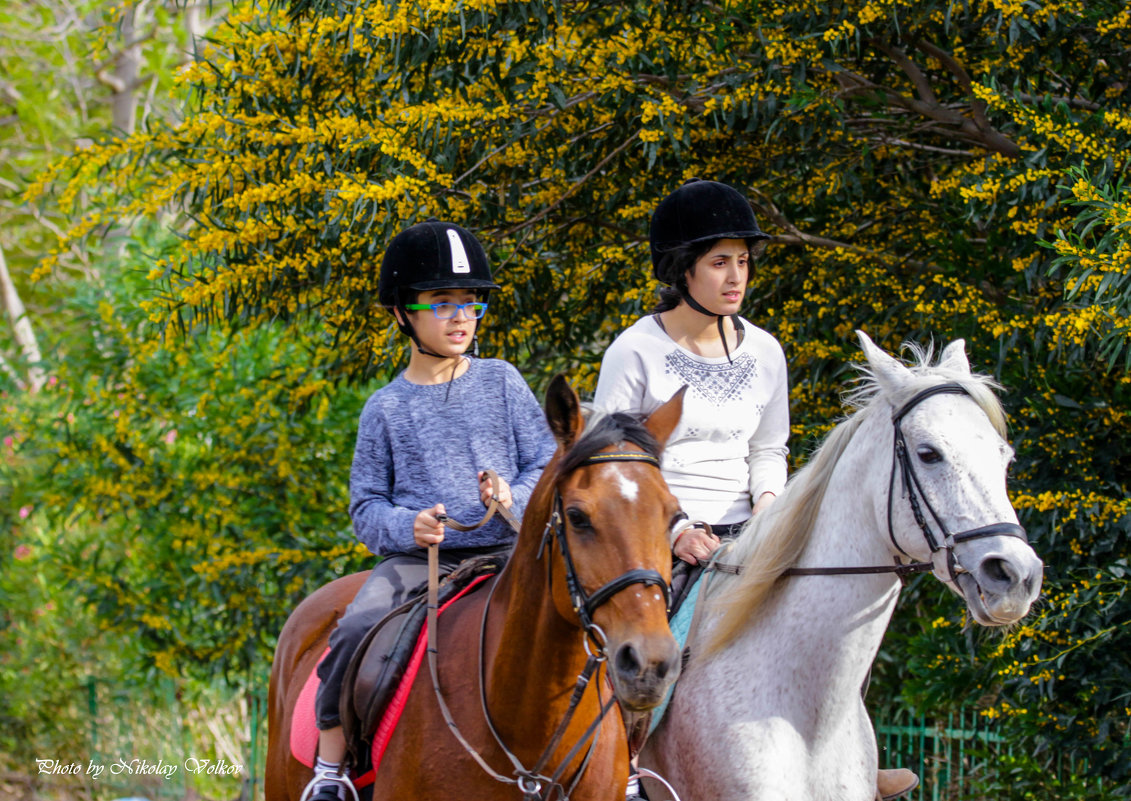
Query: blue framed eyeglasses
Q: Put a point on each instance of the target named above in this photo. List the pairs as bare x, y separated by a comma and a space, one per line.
446, 311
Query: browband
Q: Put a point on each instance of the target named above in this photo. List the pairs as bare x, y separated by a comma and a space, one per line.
629, 456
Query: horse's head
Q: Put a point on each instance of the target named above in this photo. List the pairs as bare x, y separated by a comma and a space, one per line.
947, 502
609, 529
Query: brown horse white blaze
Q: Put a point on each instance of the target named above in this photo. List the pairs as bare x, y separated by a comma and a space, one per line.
510, 655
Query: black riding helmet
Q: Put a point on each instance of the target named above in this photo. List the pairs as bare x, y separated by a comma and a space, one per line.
431, 255
698, 213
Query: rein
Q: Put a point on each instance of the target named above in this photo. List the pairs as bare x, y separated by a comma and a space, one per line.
917, 499
532, 782
493, 508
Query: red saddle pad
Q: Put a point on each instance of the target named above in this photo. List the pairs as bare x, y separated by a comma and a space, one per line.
304, 728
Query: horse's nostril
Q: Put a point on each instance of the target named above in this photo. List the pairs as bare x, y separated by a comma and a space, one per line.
999, 570
627, 660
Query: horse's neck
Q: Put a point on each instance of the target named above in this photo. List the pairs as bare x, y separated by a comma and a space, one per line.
822, 632
535, 656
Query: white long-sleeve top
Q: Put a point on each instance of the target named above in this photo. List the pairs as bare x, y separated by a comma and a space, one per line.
730, 444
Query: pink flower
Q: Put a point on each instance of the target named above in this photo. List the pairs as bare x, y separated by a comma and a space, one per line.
9, 443
22, 552
24, 512
171, 437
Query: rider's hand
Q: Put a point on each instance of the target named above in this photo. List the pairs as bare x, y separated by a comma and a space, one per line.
426, 529
694, 544
485, 493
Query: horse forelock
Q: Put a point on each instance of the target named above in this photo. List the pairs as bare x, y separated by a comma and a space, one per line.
770, 544
604, 430
601, 430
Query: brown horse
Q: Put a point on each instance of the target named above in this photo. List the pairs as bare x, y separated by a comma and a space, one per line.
597, 522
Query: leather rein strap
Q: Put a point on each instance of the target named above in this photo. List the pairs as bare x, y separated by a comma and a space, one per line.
493, 508
532, 782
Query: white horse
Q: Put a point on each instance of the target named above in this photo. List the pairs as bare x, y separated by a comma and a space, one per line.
769, 706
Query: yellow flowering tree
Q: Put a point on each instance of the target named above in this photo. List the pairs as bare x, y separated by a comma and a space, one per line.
909, 158
1096, 253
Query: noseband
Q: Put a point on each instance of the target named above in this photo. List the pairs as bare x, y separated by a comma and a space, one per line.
917, 498
585, 604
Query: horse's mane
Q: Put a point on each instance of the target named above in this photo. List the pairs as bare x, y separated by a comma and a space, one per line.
771, 543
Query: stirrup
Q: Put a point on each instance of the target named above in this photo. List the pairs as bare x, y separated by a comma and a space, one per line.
328, 777
653, 775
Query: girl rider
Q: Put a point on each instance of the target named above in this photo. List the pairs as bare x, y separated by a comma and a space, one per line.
726, 460
423, 437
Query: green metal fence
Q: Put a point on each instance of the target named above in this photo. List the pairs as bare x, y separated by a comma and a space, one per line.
951, 757
152, 745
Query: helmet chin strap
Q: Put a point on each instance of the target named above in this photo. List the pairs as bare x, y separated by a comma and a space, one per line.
406, 326
699, 307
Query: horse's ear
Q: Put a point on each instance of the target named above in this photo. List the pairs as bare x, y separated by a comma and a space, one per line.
954, 357
563, 411
888, 371
662, 422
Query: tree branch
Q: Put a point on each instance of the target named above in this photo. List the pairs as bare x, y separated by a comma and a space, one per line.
577, 185
977, 131
795, 236
910, 69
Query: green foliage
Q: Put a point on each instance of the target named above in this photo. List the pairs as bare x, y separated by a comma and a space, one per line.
909, 158
1096, 256
187, 504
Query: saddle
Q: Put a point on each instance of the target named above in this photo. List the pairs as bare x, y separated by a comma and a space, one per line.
377, 667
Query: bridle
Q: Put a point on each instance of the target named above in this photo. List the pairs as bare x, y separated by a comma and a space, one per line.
917, 498
534, 783
912, 488
585, 604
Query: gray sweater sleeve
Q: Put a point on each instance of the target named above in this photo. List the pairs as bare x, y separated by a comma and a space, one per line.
381, 525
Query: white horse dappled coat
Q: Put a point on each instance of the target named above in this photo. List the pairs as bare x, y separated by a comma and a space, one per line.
769, 707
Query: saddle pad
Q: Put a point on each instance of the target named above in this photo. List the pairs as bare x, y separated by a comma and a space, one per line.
304, 729
681, 627
304, 726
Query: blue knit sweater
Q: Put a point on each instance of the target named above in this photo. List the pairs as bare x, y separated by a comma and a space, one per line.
419, 445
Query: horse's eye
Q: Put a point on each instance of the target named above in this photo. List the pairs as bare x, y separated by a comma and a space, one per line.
928, 455
578, 518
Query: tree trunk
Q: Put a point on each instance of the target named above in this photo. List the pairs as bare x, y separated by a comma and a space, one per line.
22, 332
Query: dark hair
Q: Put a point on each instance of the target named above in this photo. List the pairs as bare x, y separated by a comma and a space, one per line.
609, 429
676, 264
